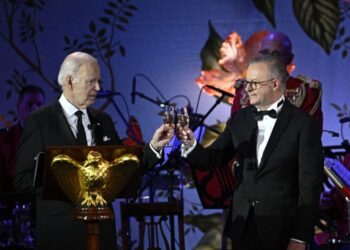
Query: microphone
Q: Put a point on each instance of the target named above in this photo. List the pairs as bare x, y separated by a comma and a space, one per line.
344, 119
219, 90
133, 93
106, 94
332, 133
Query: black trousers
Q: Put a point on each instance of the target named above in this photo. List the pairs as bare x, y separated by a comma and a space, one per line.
251, 240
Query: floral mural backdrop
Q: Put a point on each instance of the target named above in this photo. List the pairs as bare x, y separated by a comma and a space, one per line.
167, 48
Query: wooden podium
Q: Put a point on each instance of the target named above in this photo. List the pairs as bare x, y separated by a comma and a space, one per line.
91, 178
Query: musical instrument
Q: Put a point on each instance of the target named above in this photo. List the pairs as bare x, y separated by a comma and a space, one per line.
339, 174
336, 229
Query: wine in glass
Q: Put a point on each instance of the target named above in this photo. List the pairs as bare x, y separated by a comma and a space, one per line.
169, 117
183, 117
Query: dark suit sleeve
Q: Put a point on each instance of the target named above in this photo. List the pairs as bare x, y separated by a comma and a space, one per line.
30, 144
149, 158
216, 154
310, 180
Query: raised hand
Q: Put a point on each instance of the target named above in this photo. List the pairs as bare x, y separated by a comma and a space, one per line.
162, 136
185, 135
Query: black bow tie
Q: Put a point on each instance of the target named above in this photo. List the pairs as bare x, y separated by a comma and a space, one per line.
259, 115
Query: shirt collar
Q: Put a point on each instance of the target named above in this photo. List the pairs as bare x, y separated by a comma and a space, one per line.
68, 107
276, 105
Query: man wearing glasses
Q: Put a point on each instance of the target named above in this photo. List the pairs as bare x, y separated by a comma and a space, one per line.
279, 150
301, 91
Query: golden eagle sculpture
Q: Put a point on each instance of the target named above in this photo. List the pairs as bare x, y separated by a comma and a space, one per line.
96, 181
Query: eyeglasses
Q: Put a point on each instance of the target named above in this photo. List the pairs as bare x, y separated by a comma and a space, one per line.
255, 84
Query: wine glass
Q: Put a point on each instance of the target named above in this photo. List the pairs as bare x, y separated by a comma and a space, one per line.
169, 117
183, 119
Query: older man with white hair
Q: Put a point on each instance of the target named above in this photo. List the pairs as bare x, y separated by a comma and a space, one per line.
66, 122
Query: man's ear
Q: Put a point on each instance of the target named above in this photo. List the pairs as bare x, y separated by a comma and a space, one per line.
69, 81
276, 84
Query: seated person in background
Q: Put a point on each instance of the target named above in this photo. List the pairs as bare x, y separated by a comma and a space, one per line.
30, 98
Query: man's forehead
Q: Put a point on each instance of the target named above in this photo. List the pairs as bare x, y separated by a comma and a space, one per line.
256, 69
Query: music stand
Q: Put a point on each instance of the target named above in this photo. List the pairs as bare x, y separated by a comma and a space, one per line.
92, 216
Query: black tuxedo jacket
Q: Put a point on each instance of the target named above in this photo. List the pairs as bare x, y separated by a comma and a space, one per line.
45, 127
284, 188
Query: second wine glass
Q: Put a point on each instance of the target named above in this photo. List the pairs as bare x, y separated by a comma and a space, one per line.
169, 117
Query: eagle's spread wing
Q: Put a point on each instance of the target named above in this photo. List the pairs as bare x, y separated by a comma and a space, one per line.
119, 172
66, 171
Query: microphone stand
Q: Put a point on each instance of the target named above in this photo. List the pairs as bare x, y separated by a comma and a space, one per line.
156, 102
174, 154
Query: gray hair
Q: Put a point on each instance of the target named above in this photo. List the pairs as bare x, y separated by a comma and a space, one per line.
277, 67
71, 65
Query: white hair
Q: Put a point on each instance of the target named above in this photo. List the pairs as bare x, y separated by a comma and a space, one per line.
71, 65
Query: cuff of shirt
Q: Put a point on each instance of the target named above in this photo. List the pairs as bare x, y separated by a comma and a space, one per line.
158, 154
185, 150
298, 241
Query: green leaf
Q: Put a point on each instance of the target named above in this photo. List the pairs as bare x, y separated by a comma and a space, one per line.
120, 27
319, 19
132, 7
344, 53
336, 106
210, 52
122, 50
92, 27
109, 12
113, 5
88, 43
101, 33
102, 40
10, 82
123, 20
8, 94
109, 53
105, 20
88, 36
89, 50
267, 8
336, 46
66, 39
128, 13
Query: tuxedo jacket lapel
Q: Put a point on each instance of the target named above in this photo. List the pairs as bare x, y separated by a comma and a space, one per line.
251, 125
282, 121
61, 124
96, 129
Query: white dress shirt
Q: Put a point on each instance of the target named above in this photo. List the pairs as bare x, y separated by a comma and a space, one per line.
265, 127
69, 112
